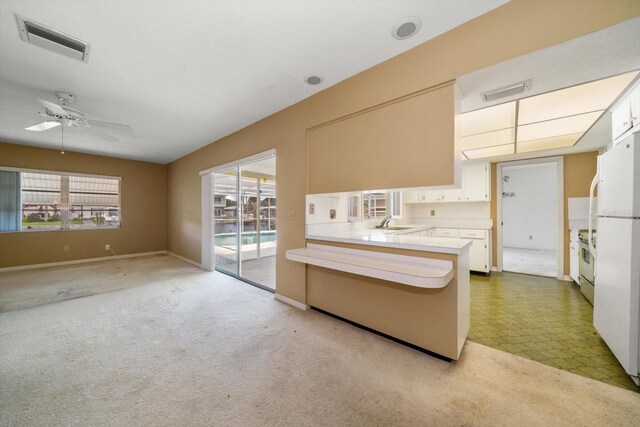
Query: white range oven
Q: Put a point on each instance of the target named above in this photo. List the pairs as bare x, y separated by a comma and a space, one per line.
587, 265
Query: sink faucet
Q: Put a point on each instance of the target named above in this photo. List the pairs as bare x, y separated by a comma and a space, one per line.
384, 223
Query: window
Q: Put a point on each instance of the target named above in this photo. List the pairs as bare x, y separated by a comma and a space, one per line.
374, 204
395, 204
354, 208
378, 204
39, 200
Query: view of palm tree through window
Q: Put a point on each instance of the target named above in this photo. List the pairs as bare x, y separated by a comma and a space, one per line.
244, 203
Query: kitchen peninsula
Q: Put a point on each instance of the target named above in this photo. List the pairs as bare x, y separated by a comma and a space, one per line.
407, 286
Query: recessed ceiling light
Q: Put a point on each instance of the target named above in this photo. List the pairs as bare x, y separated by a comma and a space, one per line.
406, 28
313, 80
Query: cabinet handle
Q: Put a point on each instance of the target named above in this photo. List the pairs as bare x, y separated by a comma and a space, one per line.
625, 123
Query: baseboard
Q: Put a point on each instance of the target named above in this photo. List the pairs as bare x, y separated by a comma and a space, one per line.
567, 278
187, 260
79, 261
291, 302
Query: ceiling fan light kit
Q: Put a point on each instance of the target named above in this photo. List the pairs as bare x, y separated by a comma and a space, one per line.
73, 118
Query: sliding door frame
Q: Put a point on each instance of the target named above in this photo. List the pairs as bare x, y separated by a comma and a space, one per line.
207, 180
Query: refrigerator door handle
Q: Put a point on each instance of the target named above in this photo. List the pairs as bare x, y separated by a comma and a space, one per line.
594, 183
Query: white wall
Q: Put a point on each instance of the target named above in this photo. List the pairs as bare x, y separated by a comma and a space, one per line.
323, 203
462, 210
530, 219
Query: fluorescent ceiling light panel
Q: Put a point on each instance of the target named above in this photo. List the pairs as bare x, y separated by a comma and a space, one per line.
487, 119
558, 127
579, 99
496, 150
549, 143
43, 126
499, 137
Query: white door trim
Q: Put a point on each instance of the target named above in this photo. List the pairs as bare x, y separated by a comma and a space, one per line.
207, 261
254, 158
559, 161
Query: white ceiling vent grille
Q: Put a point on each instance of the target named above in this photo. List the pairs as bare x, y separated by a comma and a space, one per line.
53, 40
506, 91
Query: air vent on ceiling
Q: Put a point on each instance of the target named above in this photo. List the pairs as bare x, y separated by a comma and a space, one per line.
53, 40
506, 91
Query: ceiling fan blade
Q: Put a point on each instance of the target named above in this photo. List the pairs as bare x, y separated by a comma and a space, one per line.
54, 108
43, 126
109, 125
100, 134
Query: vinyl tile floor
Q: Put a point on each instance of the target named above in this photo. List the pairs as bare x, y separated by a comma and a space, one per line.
545, 320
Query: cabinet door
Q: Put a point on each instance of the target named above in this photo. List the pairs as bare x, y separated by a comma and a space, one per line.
454, 195
621, 118
574, 255
433, 196
478, 255
634, 98
475, 182
410, 196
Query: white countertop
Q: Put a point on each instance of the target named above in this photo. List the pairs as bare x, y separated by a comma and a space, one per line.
396, 239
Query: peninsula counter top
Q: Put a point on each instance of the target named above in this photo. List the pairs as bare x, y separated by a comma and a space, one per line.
395, 239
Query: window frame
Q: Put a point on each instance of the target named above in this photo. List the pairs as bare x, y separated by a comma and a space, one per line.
67, 207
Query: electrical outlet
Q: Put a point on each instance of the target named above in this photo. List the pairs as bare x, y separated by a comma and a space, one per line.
291, 214
530, 237
332, 214
65, 248
312, 208
107, 247
433, 212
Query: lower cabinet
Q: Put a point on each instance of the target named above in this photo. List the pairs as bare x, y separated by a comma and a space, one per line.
480, 250
574, 255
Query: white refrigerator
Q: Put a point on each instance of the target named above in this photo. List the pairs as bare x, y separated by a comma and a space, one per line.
617, 283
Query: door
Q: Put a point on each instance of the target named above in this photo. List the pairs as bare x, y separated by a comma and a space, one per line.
619, 185
244, 203
258, 222
225, 206
617, 288
530, 220
475, 181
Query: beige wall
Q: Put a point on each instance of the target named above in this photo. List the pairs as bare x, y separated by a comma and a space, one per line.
579, 170
517, 28
143, 201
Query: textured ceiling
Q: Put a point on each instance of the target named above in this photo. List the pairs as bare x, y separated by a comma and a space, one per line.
186, 73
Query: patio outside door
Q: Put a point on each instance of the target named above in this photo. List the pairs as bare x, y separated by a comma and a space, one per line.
245, 222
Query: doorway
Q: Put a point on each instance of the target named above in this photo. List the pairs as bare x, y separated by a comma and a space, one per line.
243, 205
531, 217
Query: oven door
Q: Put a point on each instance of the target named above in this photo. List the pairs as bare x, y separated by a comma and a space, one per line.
586, 262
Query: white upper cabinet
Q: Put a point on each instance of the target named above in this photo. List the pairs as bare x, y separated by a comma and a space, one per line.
476, 182
626, 113
476, 187
634, 97
621, 118
454, 195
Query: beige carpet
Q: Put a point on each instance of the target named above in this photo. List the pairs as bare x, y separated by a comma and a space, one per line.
197, 348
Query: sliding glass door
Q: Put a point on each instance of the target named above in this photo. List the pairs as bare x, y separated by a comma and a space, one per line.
245, 222
225, 206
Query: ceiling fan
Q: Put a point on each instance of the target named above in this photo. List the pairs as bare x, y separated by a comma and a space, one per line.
64, 115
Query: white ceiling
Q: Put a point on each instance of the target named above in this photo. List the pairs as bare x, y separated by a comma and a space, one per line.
612, 51
186, 73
